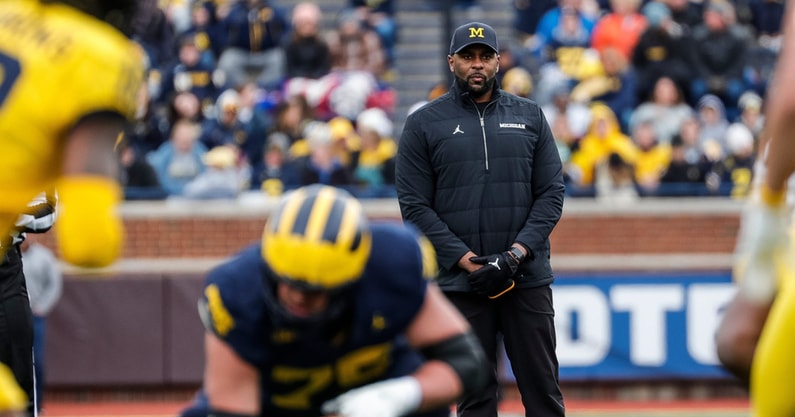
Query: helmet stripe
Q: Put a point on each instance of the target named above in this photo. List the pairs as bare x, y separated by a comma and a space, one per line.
349, 234
289, 212
319, 219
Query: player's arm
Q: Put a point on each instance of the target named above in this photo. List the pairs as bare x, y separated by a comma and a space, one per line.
455, 365
761, 253
231, 384
89, 231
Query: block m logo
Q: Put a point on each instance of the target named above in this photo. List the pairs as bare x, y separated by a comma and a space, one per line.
476, 32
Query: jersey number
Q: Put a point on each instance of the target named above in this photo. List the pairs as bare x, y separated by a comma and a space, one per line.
351, 370
9, 71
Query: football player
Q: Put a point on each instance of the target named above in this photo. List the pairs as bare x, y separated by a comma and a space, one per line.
756, 337
69, 78
331, 315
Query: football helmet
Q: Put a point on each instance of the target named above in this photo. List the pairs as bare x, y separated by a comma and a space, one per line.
318, 238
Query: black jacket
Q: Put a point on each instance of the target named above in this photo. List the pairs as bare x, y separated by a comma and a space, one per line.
481, 183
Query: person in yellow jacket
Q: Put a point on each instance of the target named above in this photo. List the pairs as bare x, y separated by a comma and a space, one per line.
604, 137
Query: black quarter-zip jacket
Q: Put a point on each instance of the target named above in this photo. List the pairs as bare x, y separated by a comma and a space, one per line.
481, 180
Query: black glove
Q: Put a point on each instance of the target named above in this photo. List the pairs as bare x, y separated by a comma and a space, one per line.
495, 278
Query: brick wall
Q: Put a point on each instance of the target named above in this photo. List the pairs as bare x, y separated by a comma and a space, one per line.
201, 230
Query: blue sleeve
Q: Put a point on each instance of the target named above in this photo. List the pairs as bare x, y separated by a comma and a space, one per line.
232, 304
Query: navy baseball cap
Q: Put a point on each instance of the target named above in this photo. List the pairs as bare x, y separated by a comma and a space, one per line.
473, 33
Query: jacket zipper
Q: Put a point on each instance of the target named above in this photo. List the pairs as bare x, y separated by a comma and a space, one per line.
483, 129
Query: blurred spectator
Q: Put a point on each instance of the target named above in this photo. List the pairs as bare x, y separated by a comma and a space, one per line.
355, 47
178, 160
759, 66
653, 157
567, 42
615, 181
177, 14
766, 18
182, 106
379, 15
307, 53
255, 121
614, 86
207, 31
346, 141
191, 74
712, 126
732, 175
690, 136
684, 176
604, 138
152, 30
321, 166
660, 51
255, 35
44, 284
220, 179
526, 16
751, 112
517, 81
138, 177
551, 21
374, 168
274, 173
620, 29
575, 116
719, 56
148, 130
686, 13
224, 128
291, 117
666, 109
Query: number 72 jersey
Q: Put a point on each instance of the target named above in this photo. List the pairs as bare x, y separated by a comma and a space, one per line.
57, 66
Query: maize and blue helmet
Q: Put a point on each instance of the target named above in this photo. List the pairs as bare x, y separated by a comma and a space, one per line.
318, 238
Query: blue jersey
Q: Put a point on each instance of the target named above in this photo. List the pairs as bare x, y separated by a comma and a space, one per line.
299, 371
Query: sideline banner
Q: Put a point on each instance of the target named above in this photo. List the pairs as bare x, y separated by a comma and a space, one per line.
614, 326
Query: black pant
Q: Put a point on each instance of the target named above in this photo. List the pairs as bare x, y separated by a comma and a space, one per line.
525, 319
16, 323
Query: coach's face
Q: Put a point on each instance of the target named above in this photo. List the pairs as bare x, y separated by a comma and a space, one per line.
475, 68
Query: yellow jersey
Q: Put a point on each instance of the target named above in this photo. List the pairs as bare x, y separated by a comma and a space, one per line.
57, 66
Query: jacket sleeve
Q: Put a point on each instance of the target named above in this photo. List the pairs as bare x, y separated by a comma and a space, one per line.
415, 181
548, 191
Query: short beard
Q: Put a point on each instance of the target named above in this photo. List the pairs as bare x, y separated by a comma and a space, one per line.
475, 94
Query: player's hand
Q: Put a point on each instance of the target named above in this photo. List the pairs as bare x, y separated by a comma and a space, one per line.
762, 246
90, 232
390, 398
495, 278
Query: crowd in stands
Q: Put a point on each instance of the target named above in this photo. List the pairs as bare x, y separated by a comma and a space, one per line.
644, 97
652, 98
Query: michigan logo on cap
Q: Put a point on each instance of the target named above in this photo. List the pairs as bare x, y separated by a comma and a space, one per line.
476, 32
